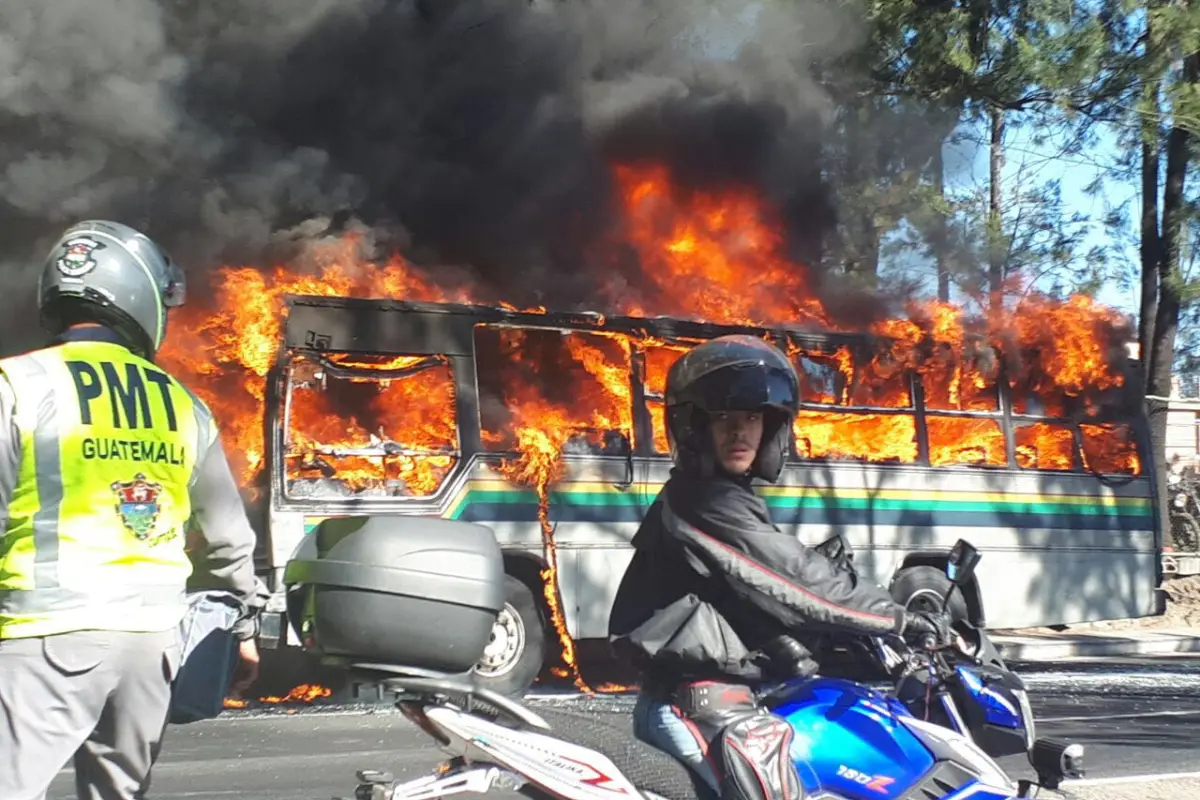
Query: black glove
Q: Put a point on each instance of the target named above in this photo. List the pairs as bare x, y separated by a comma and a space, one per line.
787, 658
927, 629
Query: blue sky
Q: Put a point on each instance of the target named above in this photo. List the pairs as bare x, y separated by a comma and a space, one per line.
721, 35
1029, 163
1027, 160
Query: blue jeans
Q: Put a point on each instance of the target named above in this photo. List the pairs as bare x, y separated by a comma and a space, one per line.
658, 724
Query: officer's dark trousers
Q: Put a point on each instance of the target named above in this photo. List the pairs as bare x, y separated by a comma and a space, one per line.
101, 697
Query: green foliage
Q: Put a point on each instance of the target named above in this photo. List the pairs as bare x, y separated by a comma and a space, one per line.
1063, 72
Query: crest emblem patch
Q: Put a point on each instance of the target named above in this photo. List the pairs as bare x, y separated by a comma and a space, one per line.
137, 505
76, 259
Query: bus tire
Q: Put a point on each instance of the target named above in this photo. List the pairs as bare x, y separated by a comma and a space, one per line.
517, 651
922, 588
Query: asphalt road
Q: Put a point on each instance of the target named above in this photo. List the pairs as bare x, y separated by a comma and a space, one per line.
1137, 717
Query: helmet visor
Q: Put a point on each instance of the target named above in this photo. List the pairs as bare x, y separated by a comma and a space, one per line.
748, 388
175, 292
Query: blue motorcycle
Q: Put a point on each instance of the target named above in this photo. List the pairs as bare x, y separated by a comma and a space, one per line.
934, 736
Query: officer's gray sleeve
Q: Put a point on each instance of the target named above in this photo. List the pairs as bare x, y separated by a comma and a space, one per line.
225, 557
10, 448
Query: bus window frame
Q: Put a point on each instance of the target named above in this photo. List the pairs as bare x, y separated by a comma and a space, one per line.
643, 417
477, 421
1004, 416
809, 345
279, 415
1130, 416
1077, 463
325, 324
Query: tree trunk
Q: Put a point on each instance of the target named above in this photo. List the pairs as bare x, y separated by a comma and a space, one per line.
940, 232
1151, 246
996, 250
1166, 318
862, 228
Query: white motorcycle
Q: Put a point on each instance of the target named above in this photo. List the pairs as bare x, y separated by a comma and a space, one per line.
375, 593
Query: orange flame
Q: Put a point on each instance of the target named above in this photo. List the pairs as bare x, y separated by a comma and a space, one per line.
304, 693
541, 443
711, 256
539, 466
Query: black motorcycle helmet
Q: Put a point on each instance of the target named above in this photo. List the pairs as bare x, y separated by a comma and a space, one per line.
730, 373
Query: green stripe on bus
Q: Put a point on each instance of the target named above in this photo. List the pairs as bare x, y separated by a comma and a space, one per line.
955, 505
786, 503
801, 498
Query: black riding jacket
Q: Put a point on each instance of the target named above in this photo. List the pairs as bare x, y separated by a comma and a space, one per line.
713, 580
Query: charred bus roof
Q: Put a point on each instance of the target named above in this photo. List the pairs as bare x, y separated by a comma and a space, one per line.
319, 329
396, 327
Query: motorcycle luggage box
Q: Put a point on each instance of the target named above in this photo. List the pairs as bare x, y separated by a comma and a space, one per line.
406, 591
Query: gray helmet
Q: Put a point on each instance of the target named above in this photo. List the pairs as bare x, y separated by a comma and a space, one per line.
109, 273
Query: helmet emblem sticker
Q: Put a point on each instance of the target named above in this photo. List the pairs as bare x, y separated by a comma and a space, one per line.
77, 259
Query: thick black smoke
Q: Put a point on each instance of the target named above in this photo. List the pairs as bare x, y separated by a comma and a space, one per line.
474, 133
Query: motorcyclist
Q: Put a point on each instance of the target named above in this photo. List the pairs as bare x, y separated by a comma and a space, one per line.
716, 598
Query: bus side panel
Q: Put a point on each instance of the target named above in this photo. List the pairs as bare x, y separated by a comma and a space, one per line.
288, 529
1058, 547
594, 510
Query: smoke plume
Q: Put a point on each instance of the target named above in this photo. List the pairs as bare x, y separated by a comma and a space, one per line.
476, 133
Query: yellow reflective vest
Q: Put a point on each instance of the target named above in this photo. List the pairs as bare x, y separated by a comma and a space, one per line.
96, 526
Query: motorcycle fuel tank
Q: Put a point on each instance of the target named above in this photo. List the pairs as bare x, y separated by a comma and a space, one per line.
849, 740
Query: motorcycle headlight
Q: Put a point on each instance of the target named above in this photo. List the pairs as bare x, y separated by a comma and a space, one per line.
1027, 714
1180, 501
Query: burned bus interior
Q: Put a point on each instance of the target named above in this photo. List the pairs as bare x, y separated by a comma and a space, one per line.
382, 398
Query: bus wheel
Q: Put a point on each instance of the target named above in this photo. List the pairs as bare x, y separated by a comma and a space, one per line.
922, 589
517, 649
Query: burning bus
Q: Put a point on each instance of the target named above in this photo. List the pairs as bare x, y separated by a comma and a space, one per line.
1022, 430
547, 428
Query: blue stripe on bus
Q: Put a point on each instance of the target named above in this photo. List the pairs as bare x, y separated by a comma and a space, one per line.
908, 518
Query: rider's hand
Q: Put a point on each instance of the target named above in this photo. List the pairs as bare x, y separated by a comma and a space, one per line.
927, 629
787, 658
247, 668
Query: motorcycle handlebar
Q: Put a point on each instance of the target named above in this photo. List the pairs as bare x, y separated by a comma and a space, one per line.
893, 657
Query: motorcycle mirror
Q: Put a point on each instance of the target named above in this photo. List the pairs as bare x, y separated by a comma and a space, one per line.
964, 557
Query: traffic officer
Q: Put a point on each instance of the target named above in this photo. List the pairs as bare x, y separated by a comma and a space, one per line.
104, 458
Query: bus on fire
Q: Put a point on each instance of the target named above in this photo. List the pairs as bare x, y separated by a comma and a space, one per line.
545, 425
